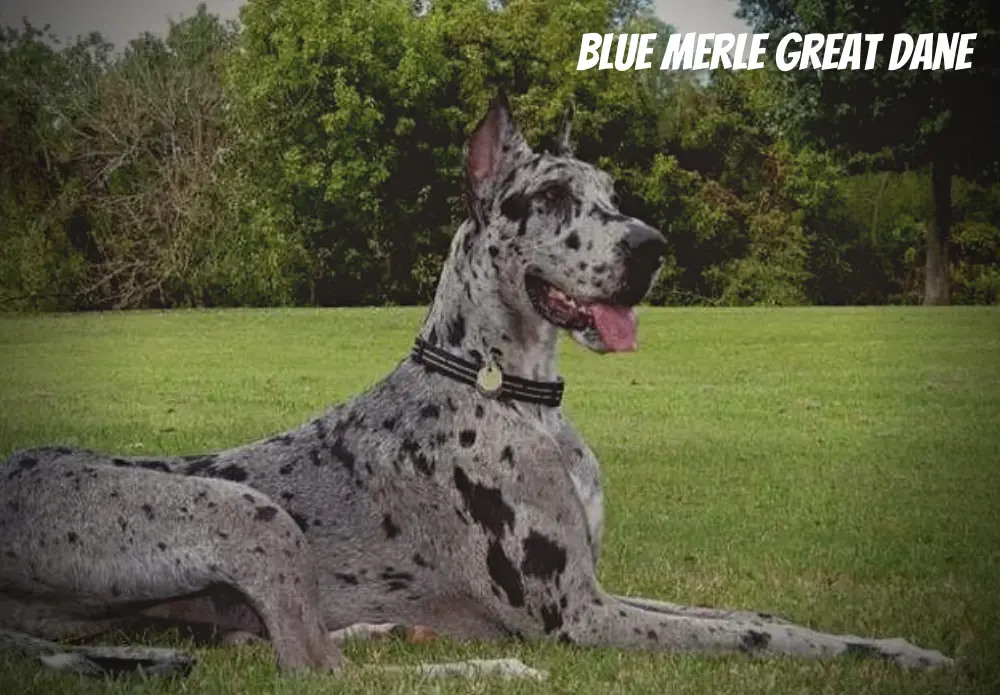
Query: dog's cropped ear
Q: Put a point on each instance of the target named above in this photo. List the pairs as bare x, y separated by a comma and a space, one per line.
495, 146
564, 147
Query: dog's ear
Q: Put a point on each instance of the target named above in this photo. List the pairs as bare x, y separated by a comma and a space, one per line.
564, 148
493, 148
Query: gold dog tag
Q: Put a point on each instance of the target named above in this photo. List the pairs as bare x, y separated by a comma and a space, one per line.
489, 380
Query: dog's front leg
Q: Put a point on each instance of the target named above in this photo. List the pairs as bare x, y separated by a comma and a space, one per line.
605, 620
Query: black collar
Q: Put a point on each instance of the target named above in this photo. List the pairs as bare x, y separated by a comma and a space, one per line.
487, 378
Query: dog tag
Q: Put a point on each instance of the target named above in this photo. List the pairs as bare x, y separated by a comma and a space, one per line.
489, 380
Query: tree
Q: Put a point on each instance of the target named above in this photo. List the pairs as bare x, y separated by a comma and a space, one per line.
44, 91
902, 119
354, 113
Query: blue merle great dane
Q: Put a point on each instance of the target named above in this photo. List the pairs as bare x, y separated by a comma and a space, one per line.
453, 495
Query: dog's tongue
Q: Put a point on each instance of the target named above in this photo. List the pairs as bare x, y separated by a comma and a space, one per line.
617, 326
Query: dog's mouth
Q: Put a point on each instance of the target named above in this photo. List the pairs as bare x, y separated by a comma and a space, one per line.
614, 324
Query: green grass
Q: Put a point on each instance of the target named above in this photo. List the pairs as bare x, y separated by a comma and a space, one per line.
837, 466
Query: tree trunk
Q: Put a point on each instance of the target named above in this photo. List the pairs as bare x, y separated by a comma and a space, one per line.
936, 282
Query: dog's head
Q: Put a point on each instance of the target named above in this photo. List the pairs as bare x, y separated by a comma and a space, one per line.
548, 228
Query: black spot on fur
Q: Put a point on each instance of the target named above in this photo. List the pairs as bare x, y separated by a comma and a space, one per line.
390, 528
573, 241
753, 641
552, 618
345, 455
507, 456
516, 208
390, 573
162, 546
286, 469
419, 560
866, 651
480, 411
469, 237
301, 521
485, 504
198, 464
494, 251
606, 216
417, 457
389, 424
148, 511
346, 578
72, 537
153, 465
266, 513
456, 330
506, 576
467, 438
543, 557
25, 464
430, 411
233, 472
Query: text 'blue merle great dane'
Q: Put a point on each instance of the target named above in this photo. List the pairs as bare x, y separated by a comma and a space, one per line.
453, 495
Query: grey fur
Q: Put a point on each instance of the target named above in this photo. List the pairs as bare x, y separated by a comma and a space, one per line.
419, 502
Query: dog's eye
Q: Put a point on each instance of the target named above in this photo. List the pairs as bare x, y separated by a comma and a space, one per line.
552, 196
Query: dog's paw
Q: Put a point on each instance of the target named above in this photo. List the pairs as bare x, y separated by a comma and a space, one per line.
903, 653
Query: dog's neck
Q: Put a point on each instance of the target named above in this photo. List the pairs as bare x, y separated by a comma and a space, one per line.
470, 319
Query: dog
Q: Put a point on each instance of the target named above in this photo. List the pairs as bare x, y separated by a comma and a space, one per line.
453, 495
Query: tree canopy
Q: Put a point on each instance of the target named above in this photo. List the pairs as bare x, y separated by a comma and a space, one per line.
311, 155
902, 119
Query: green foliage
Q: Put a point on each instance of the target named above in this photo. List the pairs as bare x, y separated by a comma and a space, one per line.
370, 154
976, 239
313, 156
900, 119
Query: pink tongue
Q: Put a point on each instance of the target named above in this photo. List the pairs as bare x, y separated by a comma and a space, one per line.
617, 325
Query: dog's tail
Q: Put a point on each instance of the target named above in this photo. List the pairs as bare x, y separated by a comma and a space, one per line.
99, 661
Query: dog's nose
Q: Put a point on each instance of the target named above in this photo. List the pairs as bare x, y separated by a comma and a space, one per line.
645, 242
644, 249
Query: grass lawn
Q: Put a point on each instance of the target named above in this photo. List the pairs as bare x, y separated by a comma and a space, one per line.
840, 467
